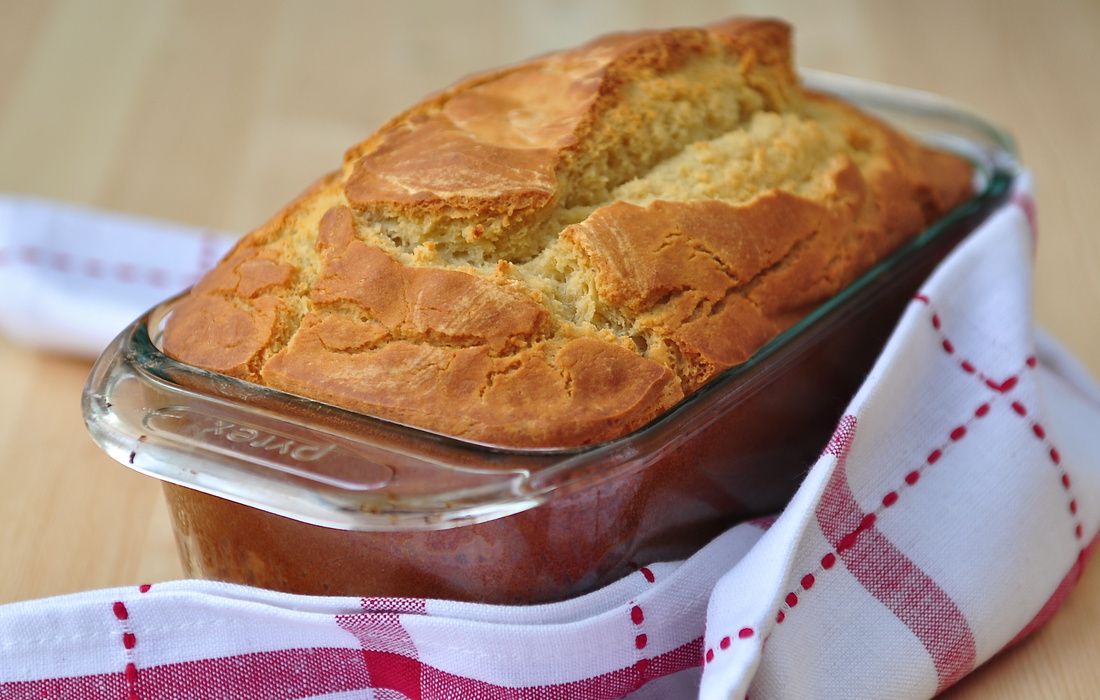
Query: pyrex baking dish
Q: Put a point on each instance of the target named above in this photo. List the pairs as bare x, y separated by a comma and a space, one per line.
280, 491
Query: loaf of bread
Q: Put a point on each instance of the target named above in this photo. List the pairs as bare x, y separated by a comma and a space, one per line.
554, 254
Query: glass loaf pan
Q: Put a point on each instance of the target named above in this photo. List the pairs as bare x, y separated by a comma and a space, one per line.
280, 491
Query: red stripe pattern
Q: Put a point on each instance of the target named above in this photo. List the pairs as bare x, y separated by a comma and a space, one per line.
389, 653
129, 641
99, 269
894, 580
881, 567
288, 673
297, 673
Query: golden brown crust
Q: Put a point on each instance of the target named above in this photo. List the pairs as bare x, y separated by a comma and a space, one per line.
556, 253
589, 388
686, 271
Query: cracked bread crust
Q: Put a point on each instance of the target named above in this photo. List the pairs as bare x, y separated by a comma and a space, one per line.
556, 253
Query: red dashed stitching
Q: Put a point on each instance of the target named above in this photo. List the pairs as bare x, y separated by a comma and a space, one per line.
956, 434
911, 478
1003, 386
637, 617
129, 641
1055, 457
1017, 407
891, 497
95, 268
724, 643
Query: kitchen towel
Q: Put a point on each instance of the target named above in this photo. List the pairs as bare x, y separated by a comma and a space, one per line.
948, 517
74, 277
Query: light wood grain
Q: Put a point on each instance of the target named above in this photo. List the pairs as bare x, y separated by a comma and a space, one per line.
215, 113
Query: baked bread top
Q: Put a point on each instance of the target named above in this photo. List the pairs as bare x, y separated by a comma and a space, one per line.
555, 253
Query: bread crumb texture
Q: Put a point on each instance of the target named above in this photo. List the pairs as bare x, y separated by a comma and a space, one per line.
554, 254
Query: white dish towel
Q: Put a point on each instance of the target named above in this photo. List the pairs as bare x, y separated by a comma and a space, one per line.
948, 517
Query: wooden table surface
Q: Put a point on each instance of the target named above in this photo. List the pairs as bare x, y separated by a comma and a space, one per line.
214, 113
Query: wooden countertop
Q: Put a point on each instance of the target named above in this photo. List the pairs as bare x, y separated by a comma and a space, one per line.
215, 113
